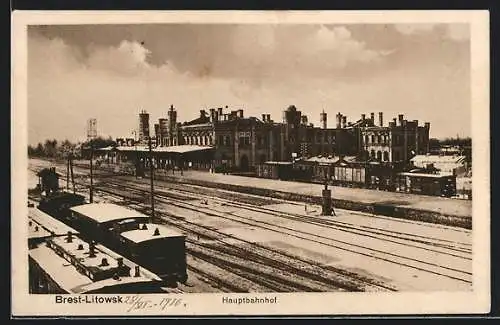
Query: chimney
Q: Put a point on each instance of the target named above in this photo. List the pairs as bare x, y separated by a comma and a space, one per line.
381, 118
202, 112
144, 227
268, 117
80, 247
216, 116
394, 121
416, 122
36, 228
323, 120
303, 119
344, 121
212, 115
30, 223
427, 125
240, 113
339, 120
137, 271
263, 117
400, 118
219, 111
104, 262
91, 249
363, 117
69, 237
372, 117
157, 232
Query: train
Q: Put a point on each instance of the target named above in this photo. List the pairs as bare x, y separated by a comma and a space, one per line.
349, 172
126, 231
88, 267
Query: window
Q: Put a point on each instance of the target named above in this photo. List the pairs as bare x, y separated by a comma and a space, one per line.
373, 139
366, 139
386, 156
372, 154
379, 155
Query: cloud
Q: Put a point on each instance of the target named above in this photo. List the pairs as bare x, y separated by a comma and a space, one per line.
260, 68
128, 57
456, 32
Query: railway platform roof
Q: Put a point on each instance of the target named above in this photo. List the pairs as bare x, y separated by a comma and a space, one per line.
105, 212
153, 232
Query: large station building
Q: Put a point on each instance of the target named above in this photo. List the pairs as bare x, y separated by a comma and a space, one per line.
227, 138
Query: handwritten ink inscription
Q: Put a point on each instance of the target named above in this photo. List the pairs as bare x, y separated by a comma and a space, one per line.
137, 303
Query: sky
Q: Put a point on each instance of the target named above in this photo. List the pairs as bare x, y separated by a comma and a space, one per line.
112, 72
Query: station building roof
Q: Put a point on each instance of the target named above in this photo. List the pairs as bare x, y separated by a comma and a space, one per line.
142, 235
183, 148
105, 212
168, 149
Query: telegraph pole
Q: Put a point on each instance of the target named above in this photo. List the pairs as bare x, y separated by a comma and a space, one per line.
91, 135
151, 171
91, 173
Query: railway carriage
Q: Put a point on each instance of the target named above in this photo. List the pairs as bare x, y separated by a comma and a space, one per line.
62, 261
129, 232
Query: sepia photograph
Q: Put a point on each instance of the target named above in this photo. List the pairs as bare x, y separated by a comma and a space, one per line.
222, 163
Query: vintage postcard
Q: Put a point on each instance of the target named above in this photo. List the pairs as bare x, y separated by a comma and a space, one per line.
250, 163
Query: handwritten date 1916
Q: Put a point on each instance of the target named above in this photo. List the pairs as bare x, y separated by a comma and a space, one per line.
137, 302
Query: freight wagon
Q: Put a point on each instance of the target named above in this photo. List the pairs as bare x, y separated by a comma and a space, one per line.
427, 184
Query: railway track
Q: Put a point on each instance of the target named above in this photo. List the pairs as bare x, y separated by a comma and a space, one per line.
369, 231
415, 263
343, 280
178, 197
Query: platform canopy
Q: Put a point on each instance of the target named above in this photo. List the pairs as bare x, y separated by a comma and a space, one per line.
183, 149
170, 149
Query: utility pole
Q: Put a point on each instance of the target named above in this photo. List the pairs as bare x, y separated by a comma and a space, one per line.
67, 173
151, 171
91, 135
71, 170
91, 173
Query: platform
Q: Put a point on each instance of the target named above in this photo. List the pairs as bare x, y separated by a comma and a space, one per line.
448, 206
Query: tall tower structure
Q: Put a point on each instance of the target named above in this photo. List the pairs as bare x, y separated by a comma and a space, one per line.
323, 120
172, 126
143, 126
91, 129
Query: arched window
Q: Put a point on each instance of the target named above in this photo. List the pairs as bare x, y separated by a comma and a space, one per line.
372, 154
379, 155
